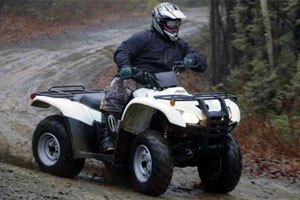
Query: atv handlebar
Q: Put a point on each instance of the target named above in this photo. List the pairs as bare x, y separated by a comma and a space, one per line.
150, 79
178, 67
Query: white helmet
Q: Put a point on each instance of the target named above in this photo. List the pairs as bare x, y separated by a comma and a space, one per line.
166, 19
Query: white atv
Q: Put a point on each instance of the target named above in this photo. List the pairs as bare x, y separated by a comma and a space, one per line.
162, 126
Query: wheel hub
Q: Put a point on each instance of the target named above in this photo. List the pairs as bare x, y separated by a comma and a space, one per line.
142, 163
48, 149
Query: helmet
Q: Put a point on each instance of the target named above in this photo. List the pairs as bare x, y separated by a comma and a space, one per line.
166, 19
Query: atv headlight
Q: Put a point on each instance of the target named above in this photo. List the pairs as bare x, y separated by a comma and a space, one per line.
190, 118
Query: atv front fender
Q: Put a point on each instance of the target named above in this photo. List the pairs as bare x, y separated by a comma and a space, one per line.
138, 113
69, 108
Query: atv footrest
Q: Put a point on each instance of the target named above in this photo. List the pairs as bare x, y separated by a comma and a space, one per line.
99, 156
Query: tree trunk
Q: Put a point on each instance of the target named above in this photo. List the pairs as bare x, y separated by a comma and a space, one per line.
297, 34
215, 41
229, 6
268, 34
222, 51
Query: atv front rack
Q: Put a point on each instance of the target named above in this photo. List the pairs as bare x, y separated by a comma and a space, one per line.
217, 123
212, 123
196, 97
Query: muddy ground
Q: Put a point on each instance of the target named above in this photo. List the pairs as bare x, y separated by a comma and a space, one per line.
20, 183
78, 57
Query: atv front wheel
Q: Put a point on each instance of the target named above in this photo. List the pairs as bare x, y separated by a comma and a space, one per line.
151, 163
52, 148
221, 173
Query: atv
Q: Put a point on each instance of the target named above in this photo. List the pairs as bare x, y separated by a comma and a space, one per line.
162, 127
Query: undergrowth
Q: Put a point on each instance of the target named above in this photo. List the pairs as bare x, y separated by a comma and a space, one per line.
267, 150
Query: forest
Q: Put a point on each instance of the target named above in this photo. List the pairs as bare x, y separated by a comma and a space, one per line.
256, 45
253, 48
254, 52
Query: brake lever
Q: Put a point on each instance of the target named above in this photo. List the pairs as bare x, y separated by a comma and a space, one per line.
180, 67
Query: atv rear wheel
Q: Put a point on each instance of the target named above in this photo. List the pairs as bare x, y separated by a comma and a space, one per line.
221, 173
52, 148
151, 163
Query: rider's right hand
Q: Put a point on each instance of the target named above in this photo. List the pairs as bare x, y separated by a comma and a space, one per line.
125, 71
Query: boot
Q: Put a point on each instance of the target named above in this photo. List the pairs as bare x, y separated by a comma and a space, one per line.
109, 135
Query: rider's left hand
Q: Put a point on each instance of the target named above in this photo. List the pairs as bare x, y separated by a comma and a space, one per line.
187, 62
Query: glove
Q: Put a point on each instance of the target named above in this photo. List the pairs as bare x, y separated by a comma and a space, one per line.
187, 62
125, 71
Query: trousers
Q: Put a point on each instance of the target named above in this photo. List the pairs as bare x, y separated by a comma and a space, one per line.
118, 94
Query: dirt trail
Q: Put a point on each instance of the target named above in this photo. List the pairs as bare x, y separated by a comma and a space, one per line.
20, 183
76, 58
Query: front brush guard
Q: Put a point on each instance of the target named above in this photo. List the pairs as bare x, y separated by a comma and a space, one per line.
217, 125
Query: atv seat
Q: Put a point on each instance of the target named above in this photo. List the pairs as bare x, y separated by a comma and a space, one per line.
92, 100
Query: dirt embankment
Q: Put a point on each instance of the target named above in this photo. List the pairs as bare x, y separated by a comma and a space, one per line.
77, 57
27, 21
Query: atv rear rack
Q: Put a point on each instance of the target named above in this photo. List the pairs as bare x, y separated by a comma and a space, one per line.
68, 91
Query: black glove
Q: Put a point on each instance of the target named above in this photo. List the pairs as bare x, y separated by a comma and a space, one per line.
187, 62
196, 62
125, 71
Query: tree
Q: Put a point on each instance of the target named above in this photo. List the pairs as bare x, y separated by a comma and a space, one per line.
230, 24
268, 34
215, 30
223, 53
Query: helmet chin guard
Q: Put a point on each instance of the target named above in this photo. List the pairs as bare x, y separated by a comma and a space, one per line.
166, 19
172, 36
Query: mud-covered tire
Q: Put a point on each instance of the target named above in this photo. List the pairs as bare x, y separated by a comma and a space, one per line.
221, 173
52, 148
151, 164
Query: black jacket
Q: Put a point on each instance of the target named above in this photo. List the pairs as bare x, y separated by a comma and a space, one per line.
149, 50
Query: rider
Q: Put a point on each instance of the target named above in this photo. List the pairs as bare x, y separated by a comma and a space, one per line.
154, 51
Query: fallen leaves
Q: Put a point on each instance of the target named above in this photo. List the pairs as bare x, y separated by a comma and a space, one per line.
262, 156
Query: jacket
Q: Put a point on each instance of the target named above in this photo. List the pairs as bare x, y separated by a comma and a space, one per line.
150, 51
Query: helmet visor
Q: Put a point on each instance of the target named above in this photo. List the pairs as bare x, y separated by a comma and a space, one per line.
173, 24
